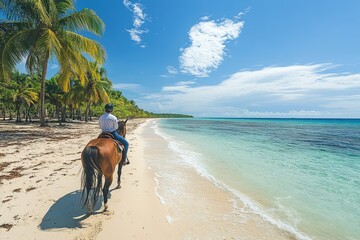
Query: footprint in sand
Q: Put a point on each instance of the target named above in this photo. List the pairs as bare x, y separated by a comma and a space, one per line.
136, 183
6, 200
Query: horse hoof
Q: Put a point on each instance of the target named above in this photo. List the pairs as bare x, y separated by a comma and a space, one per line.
118, 186
106, 207
90, 210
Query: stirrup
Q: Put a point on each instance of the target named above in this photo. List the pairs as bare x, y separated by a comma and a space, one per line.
126, 162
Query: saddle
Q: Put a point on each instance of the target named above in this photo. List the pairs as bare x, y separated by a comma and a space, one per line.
119, 145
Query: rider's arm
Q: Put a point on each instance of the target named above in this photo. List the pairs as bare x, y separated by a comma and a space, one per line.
115, 122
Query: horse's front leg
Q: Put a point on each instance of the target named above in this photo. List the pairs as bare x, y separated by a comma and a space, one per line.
119, 174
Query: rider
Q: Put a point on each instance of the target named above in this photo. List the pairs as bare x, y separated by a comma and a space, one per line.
109, 123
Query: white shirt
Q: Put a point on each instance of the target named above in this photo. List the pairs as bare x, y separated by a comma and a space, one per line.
108, 122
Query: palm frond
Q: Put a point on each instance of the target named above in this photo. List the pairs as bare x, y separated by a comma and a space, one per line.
41, 12
51, 9
13, 51
104, 97
48, 41
85, 19
73, 65
72, 59
64, 5
7, 29
25, 10
33, 62
64, 80
86, 45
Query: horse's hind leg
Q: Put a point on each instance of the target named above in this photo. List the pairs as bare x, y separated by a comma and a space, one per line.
108, 181
89, 206
119, 175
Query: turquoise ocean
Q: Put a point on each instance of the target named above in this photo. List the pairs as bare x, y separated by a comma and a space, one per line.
301, 175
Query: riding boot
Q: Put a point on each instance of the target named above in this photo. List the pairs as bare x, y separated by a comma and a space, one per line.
126, 159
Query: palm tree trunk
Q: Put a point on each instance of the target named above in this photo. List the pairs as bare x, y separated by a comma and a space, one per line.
57, 110
26, 114
63, 114
87, 112
42, 90
29, 116
79, 114
71, 112
18, 118
10, 114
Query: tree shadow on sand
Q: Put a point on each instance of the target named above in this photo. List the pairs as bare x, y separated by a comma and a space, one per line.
67, 212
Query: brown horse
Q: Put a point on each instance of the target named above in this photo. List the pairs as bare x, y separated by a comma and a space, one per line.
99, 158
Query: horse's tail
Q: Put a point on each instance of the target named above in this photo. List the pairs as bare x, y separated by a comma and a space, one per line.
91, 176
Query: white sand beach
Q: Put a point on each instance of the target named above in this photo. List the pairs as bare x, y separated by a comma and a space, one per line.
40, 172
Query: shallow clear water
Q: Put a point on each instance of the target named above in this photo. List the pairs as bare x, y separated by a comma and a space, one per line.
302, 175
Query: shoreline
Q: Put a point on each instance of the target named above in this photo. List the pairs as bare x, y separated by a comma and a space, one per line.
136, 210
196, 203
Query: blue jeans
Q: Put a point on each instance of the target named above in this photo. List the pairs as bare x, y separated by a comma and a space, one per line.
123, 141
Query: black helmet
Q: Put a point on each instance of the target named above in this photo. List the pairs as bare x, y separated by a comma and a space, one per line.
108, 107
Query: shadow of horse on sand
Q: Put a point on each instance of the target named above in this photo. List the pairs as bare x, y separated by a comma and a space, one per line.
67, 212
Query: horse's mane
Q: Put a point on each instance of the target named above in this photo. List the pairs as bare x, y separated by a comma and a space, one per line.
121, 125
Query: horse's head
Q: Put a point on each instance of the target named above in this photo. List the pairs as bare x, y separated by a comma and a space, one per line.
122, 128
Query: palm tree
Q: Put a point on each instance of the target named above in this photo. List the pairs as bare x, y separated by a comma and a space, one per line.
75, 98
6, 98
39, 30
96, 87
54, 95
24, 95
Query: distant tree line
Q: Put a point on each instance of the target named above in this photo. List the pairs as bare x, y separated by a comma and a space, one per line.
19, 99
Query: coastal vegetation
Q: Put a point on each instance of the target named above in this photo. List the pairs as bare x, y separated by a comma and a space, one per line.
37, 31
19, 99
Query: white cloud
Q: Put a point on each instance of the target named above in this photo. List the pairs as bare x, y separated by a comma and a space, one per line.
135, 34
292, 91
139, 18
179, 88
164, 76
207, 49
185, 83
205, 18
171, 70
127, 86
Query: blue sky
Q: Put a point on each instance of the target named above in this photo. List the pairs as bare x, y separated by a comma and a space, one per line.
234, 58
